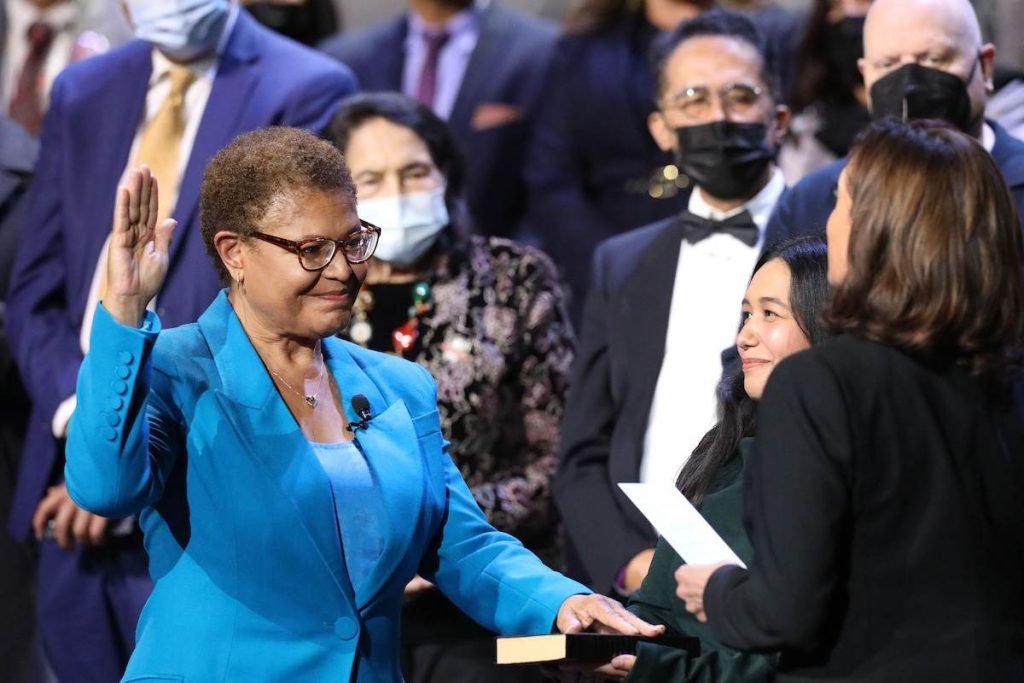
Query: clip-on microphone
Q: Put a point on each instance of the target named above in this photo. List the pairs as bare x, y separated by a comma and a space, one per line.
361, 406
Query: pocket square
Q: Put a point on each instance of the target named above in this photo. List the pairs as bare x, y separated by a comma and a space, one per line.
494, 114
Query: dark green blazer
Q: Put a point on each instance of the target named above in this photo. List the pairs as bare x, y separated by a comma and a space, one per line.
657, 603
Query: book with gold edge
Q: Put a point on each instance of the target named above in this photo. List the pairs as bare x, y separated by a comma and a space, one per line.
580, 647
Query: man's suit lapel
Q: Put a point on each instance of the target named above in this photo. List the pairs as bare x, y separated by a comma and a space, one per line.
390, 445
103, 157
235, 78
645, 304
270, 435
389, 61
480, 71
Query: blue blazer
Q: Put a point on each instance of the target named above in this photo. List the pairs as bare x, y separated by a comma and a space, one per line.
186, 427
262, 79
805, 207
507, 68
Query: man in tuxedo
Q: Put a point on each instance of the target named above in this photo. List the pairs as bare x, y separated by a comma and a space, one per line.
664, 300
201, 73
478, 65
922, 59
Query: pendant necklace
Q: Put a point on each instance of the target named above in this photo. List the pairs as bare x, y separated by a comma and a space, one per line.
311, 399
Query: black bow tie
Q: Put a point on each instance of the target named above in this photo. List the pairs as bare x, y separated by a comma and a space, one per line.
741, 226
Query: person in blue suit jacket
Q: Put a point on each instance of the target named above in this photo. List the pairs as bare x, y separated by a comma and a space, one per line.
489, 81
90, 597
903, 75
289, 484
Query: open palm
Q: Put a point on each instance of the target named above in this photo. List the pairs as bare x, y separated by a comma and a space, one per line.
138, 254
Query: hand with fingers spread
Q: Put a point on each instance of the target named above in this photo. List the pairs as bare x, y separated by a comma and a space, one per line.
68, 523
138, 254
601, 614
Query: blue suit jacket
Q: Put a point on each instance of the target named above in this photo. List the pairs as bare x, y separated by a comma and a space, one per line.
187, 427
805, 207
262, 79
507, 67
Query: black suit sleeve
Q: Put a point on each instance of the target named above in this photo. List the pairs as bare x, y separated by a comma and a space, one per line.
561, 210
797, 502
600, 535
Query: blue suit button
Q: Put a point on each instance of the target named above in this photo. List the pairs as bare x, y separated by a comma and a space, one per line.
125, 357
119, 387
345, 628
115, 403
123, 371
113, 419
109, 434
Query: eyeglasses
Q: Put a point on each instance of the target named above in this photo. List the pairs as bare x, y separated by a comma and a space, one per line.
694, 103
317, 253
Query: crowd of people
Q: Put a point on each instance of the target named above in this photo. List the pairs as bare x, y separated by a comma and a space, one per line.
323, 352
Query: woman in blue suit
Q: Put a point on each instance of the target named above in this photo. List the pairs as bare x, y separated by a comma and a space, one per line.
289, 484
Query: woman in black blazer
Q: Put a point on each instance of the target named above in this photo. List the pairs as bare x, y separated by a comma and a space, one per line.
885, 497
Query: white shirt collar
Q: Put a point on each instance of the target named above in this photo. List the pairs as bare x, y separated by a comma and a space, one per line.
462, 23
162, 66
60, 16
760, 205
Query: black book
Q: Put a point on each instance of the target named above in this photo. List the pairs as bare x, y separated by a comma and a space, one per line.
580, 647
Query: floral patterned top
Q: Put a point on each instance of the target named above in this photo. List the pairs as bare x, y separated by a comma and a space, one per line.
497, 339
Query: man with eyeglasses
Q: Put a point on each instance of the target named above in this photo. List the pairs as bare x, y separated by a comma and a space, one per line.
923, 59
664, 299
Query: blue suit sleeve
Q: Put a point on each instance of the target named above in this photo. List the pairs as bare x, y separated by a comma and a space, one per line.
126, 433
488, 574
44, 340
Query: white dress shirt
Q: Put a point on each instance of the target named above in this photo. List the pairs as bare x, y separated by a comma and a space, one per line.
463, 30
63, 17
710, 280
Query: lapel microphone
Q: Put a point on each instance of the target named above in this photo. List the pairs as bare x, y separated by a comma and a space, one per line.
361, 407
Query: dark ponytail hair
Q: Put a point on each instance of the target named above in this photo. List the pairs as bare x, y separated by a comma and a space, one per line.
807, 260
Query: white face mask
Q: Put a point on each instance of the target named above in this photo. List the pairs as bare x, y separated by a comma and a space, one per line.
182, 29
409, 224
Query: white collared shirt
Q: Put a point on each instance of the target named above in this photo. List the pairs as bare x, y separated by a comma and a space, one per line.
21, 14
453, 59
710, 280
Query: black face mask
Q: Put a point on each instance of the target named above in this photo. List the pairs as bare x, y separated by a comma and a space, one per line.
919, 92
844, 45
725, 159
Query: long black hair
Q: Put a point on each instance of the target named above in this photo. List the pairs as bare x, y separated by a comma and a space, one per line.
737, 412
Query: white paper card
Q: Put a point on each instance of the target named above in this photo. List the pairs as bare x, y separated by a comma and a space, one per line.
680, 524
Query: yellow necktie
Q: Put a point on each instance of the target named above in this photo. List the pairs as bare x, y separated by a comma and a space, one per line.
160, 146
160, 149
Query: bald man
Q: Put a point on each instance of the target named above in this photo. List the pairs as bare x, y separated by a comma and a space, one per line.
922, 59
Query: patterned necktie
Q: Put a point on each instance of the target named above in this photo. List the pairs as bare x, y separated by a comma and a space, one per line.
426, 91
160, 146
741, 226
27, 104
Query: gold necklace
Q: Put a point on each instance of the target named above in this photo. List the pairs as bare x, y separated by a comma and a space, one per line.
311, 399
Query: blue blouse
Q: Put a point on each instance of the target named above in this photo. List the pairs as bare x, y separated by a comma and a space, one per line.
358, 508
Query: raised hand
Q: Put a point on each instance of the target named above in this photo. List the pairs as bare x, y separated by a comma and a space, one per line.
138, 254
